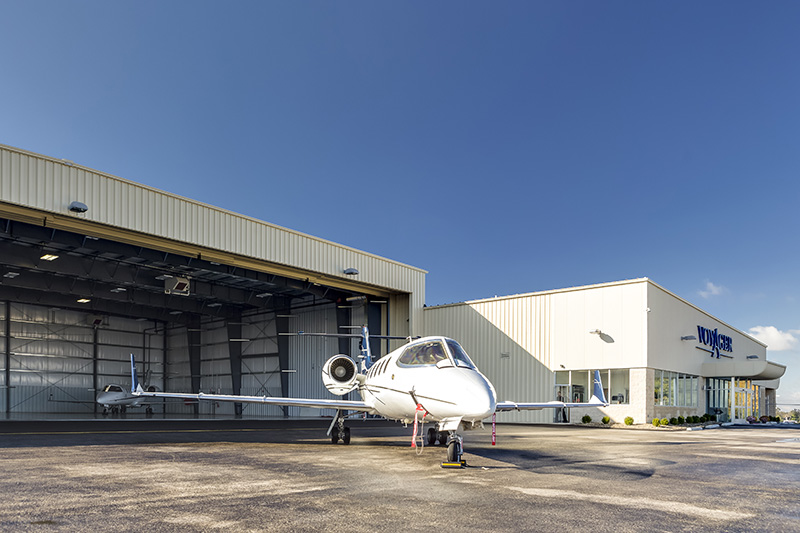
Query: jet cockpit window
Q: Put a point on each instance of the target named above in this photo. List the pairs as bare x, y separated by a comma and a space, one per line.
426, 353
459, 355
112, 388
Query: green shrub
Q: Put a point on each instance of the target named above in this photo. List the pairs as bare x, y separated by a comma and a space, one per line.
712, 418
628, 420
681, 421
673, 421
656, 422
606, 420
664, 422
586, 419
704, 418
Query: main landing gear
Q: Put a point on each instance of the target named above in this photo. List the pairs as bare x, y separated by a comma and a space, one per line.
434, 435
339, 431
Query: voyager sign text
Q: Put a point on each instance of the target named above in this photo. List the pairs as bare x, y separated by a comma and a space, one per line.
715, 342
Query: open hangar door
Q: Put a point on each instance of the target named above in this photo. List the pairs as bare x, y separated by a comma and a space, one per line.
73, 307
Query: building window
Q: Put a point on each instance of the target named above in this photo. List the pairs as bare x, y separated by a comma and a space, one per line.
576, 385
620, 386
674, 389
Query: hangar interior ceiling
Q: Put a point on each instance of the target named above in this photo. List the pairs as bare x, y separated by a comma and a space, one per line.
127, 280
112, 298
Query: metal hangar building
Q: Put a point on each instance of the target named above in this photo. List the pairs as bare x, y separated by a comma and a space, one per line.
94, 267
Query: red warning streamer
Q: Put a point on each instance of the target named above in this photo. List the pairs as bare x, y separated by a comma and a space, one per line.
414, 437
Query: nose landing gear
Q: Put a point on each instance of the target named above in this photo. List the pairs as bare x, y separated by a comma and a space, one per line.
455, 449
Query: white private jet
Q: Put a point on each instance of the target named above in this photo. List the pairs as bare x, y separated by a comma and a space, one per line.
430, 379
116, 398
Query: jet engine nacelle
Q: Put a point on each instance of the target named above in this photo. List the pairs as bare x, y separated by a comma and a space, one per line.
340, 374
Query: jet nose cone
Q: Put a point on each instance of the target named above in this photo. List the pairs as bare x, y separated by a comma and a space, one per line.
479, 398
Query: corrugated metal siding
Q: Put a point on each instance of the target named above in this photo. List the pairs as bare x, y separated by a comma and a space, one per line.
518, 341
50, 185
510, 342
52, 358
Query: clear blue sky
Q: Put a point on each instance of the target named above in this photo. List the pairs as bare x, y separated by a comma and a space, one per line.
505, 147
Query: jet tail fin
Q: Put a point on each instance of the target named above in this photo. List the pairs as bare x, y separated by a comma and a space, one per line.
598, 396
135, 385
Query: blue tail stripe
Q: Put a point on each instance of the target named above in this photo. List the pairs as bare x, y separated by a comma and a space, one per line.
134, 375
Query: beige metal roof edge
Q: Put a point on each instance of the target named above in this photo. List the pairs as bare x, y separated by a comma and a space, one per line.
542, 293
709, 315
72, 164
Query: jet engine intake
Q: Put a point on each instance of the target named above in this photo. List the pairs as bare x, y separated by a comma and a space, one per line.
340, 374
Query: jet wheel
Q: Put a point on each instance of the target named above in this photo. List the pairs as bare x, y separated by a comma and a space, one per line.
335, 435
346, 436
454, 452
432, 437
443, 438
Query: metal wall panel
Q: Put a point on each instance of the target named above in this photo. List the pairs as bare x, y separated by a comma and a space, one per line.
52, 358
508, 341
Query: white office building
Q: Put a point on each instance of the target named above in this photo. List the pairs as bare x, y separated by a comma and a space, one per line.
659, 355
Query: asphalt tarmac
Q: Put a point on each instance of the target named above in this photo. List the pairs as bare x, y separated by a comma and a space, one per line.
169, 475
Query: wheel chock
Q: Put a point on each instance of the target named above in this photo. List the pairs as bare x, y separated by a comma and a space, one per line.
460, 464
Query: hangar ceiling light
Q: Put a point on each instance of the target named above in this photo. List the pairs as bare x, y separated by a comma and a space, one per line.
83, 300
49, 257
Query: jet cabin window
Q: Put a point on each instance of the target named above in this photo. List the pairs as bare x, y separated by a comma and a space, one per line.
426, 353
459, 355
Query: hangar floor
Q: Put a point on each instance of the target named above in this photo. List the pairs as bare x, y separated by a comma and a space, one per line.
200, 475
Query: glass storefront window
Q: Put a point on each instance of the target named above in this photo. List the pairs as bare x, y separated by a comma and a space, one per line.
580, 386
616, 385
657, 387
619, 386
674, 389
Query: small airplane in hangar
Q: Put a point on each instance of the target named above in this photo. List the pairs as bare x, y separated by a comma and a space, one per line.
429, 379
116, 398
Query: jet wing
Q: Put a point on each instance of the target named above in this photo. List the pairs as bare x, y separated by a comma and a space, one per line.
350, 405
598, 400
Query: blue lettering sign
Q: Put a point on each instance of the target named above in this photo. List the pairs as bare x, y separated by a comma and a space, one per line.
714, 340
